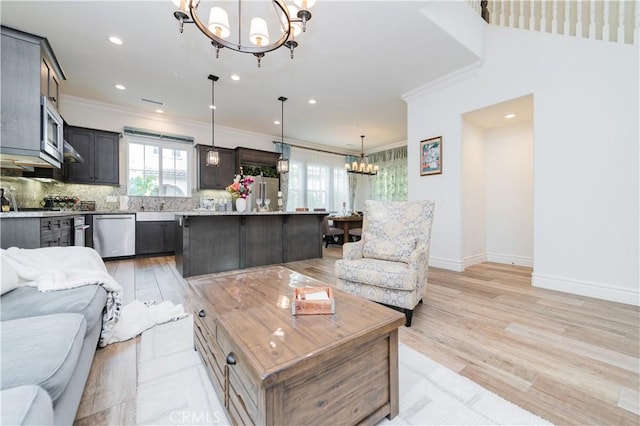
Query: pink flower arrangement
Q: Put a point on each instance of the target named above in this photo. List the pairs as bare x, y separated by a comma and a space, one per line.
241, 186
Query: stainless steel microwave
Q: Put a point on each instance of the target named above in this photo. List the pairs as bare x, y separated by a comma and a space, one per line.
52, 130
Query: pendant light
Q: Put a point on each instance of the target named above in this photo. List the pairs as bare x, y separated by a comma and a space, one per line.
282, 166
213, 157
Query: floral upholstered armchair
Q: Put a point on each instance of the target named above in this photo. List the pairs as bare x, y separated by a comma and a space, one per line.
389, 265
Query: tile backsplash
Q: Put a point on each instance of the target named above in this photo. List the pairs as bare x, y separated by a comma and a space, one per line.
30, 192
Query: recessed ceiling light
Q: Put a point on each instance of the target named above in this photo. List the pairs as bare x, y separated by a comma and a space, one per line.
159, 111
276, 122
120, 87
115, 40
235, 77
509, 115
212, 107
312, 101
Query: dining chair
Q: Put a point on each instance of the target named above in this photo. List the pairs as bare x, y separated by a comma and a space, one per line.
330, 234
355, 234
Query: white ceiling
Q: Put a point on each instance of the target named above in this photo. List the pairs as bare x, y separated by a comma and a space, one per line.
356, 59
493, 116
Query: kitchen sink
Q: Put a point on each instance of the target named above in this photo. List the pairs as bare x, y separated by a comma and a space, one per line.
154, 216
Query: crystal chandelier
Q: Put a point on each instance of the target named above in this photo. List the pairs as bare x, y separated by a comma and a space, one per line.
289, 20
362, 166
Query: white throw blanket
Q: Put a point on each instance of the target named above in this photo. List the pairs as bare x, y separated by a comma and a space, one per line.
137, 317
60, 268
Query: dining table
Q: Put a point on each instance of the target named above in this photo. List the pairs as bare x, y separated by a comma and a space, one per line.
346, 223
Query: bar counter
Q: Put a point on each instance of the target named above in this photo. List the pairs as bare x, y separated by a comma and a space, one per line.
209, 241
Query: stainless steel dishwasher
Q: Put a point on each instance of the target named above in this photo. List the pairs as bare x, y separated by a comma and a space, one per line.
114, 235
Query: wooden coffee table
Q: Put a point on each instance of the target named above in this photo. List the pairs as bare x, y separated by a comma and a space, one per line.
270, 367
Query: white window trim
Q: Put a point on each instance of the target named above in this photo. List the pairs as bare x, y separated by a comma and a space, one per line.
168, 145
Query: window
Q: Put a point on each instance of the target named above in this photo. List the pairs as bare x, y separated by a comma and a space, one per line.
158, 168
391, 182
316, 180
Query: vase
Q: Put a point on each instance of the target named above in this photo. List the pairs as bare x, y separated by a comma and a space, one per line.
241, 204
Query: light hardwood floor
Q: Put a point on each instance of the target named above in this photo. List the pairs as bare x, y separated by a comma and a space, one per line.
570, 359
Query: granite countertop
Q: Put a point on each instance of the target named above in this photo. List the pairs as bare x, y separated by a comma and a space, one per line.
44, 213
203, 212
56, 213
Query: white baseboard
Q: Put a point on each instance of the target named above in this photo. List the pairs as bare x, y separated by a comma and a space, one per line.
510, 259
507, 259
589, 289
474, 260
451, 265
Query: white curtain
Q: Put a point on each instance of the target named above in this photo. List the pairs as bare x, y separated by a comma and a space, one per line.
317, 180
391, 182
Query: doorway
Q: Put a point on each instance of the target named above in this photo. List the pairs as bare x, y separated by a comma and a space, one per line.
497, 183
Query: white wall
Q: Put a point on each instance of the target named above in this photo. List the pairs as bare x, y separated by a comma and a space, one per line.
509, 194
474, 195
585, 156
96, 115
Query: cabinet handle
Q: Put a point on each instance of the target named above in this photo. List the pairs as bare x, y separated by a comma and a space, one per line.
202, 313
231, 358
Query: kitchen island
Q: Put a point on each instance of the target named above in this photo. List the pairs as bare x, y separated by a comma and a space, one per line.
208, 241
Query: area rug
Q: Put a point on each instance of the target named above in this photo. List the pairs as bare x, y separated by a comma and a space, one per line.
173, 388
431, 394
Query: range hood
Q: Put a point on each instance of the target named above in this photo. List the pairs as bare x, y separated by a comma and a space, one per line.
33, 167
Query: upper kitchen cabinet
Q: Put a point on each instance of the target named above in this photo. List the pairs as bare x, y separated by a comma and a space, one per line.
49, 82
254, 161
216, 177
31, 129
101, 153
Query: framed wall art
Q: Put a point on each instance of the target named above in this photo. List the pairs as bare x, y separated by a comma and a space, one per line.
431, 156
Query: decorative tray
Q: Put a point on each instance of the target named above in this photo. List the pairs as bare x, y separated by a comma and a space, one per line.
313, 300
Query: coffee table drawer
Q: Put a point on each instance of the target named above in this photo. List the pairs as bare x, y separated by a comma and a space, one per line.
211, 355
243, 389
242, 409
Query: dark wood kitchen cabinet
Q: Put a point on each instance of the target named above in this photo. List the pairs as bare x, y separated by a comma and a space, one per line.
101, 153
216, 177
155, 237
255, 158
50, 82
21, 232
33, 232
56, 231
28, 69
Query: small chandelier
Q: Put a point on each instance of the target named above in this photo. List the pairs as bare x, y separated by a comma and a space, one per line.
289, 19
282, 166
213, 157
362, 166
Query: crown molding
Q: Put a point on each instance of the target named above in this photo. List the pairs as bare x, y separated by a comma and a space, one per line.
83, 102
454, 77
